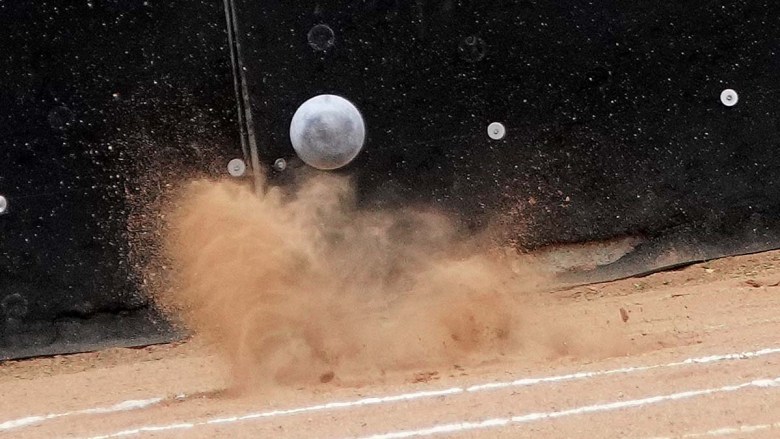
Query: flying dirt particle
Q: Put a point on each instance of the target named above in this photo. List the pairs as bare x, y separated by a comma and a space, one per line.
425, 377
753, 283
623, 315
327, 377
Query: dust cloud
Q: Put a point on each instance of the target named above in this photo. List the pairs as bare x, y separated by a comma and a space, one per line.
301, 286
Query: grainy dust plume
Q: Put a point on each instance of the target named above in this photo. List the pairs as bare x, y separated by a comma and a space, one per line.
305, 287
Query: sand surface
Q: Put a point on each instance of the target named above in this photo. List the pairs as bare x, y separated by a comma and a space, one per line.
640, 331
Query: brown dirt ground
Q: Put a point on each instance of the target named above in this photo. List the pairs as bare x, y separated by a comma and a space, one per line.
724, 306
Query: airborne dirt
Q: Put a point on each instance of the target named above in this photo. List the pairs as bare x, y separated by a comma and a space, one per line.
304, 287
300, 299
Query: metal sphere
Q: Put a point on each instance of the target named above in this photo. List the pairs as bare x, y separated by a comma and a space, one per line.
327, 132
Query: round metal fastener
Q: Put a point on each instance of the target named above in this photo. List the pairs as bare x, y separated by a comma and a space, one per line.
280, 164
472, 49
496, 131
3, 204
236, 167
729, 97
321, 37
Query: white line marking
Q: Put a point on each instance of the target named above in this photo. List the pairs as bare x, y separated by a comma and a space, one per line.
725, 431
624, 370
595, 408
441, 393
120, 407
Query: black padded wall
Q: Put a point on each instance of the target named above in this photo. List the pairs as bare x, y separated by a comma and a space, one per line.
614, 123
612, 109
101, 101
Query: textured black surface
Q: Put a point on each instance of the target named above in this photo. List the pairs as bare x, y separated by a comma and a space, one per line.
614, 121
100, 102
614, 128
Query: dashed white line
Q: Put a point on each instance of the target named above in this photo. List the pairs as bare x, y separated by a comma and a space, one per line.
595, 408
275, 413
439, 393
724, 431
124, 406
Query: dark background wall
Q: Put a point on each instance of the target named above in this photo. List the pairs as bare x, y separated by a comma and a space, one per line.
614, 121
614, 128
100, 101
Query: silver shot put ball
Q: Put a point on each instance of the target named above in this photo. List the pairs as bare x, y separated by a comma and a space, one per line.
327, 132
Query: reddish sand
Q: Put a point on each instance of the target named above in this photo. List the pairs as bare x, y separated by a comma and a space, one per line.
726, 306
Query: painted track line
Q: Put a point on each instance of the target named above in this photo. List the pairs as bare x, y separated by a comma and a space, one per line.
725, 431
588, 409
124, 406
372, 401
